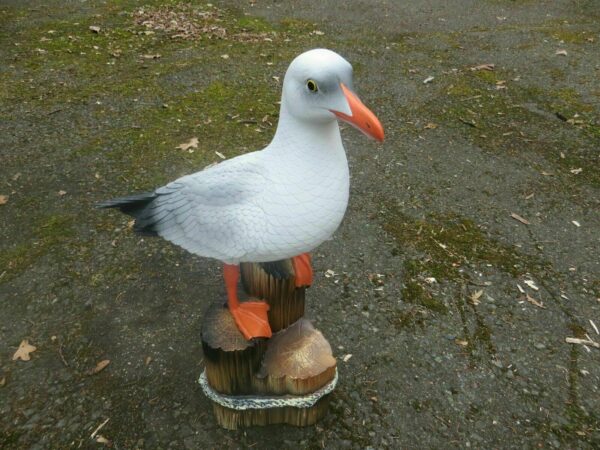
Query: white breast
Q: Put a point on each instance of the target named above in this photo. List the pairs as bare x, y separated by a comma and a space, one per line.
307, 194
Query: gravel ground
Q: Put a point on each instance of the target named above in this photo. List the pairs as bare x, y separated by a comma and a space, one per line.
468, 255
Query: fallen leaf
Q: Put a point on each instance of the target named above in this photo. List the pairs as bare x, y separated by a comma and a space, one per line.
16, 176
220, 155
2, 381
94, 29
576, 171
347, 357
192, 143
533, 301
431, 126
154, 56
62, 193
430, 280
3, 199
561, 52
475, 297
547, 174
377, 279
99, 367
575, 121
148, 360
329, 273
225, 56
22, 353
461, 342
468, 122
428, 80
577, 224
594, 325
521, 290
519, 218
489, 66
102, 440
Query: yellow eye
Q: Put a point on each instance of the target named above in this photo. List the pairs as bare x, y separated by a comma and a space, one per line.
312, 86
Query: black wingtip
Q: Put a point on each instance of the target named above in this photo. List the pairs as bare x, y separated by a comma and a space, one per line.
130, 204
107, 204
134, 206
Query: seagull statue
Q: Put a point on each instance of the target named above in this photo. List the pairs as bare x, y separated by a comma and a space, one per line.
277, 203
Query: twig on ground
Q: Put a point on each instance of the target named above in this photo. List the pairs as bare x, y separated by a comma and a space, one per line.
99, 428
572, 340
62, 357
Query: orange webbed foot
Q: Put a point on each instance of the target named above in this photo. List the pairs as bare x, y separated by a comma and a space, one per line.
303, 270
251, 319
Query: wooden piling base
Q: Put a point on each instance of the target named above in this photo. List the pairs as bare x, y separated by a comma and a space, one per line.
285, 379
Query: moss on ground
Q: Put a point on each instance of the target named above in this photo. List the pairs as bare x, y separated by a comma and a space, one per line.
415, 293
447, 248
500, 115
500, 111
49, 231
451, 243
409, 317
563, 34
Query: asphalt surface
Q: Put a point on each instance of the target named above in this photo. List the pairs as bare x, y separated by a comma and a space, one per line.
468, 255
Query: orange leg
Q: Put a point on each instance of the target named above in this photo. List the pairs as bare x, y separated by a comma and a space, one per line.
303, 270
250, 317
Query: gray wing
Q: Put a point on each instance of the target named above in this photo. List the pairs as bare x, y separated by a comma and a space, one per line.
216, 212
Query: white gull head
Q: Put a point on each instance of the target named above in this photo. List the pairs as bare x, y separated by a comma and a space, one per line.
318, 89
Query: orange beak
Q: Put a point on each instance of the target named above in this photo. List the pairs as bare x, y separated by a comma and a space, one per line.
361, 117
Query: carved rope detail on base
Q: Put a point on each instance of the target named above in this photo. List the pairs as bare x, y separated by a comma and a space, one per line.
243, 402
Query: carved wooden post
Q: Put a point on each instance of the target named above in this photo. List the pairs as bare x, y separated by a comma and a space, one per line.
285, 379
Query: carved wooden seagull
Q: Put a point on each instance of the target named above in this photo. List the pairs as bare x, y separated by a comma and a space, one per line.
277, 203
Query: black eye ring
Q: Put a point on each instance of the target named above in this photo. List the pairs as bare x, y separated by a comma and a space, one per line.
312, 86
